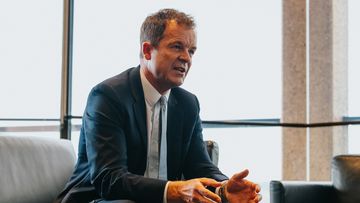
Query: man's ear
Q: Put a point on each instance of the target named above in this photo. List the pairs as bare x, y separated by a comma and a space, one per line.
146, 50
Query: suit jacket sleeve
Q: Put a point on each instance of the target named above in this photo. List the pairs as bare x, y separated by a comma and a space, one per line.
105, 126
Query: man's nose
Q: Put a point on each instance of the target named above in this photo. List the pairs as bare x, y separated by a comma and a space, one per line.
185, 56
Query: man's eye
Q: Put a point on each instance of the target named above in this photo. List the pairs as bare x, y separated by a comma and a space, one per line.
191, 52
178, 47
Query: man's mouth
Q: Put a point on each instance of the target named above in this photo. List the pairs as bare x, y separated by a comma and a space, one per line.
180, 69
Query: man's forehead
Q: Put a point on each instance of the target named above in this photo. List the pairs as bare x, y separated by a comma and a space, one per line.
187, 40
175, 30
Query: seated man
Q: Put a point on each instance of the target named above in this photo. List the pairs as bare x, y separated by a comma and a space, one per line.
142, 133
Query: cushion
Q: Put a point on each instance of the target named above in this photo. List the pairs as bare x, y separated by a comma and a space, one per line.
34, 169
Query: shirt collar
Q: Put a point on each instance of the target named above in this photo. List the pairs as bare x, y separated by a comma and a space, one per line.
151, 94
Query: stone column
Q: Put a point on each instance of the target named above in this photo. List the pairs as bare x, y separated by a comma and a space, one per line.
328, 83
294, 89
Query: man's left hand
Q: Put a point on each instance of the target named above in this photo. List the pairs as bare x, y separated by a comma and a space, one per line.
240, 190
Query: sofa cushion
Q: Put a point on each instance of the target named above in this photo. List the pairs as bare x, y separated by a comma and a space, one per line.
346, 177
34, 169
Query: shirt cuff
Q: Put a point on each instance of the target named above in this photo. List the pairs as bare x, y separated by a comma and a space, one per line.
217, 190
165, 192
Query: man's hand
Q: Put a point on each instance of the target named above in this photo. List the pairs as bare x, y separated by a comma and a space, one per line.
193, 190
239, 190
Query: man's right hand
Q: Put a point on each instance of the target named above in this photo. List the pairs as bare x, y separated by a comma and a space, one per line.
193, 190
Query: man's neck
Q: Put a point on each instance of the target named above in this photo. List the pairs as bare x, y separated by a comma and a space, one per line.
153, 81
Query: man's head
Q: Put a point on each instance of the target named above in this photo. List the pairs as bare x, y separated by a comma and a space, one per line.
168, 42
153, 27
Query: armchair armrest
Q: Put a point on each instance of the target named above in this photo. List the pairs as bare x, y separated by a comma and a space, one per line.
213, 150
302, 192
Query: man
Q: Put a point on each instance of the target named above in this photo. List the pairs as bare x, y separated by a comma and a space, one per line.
119, 157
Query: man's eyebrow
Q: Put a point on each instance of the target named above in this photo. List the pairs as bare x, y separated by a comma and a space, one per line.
175, 42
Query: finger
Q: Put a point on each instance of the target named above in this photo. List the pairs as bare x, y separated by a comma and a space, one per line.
206, 199
208, 196
209, 182
257, 188
258, 198
241, 175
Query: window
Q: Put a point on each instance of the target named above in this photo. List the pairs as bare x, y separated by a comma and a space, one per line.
354, 73
30, 73
236, 71
30, 51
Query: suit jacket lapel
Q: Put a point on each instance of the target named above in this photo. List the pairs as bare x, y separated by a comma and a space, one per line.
174, 136
139, 106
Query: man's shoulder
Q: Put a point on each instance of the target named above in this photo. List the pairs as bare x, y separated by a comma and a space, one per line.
120, 86
183, 96
182, 92
122, 79
120, 82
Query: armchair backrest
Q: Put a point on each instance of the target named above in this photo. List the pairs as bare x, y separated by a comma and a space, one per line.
346, 177
34, 169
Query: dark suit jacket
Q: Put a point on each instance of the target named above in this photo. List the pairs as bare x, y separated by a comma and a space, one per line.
113, 144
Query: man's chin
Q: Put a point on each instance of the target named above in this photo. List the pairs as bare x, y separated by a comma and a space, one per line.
173, 81
178, 83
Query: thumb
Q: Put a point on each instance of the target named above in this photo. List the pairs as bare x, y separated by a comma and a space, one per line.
241, 175
209, 182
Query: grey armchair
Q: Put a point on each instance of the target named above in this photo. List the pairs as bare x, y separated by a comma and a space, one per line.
35, 170
344, 187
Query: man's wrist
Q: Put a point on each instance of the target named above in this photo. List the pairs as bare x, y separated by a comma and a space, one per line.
221, 191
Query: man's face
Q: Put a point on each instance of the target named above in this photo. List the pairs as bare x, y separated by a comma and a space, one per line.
171, 59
